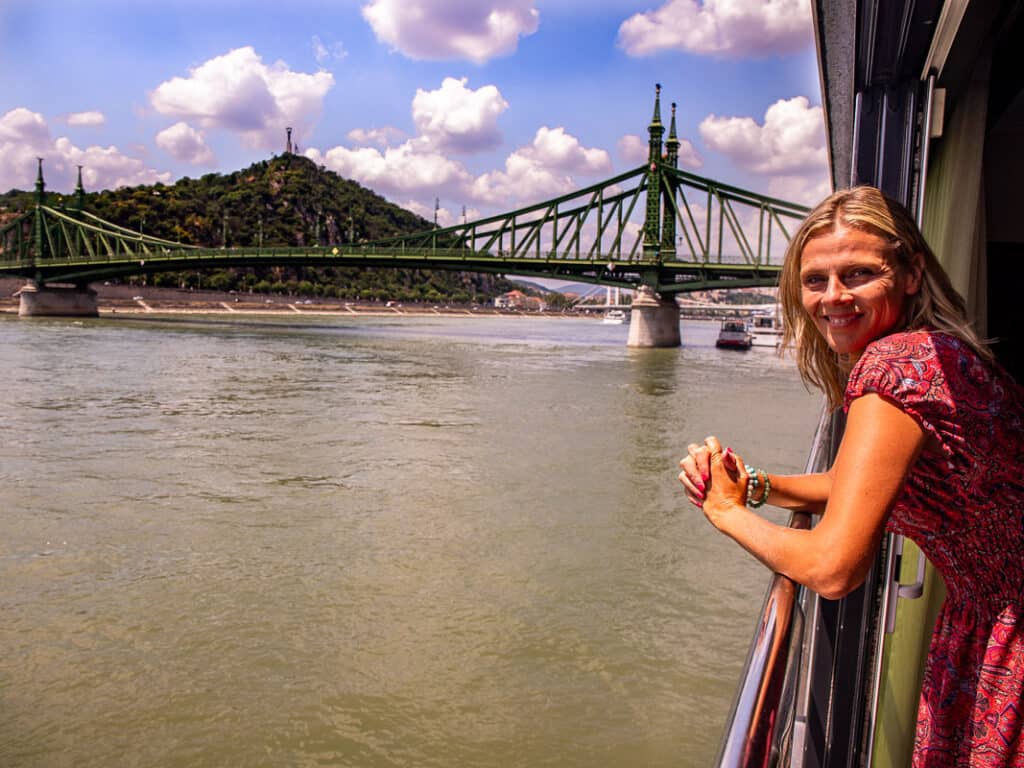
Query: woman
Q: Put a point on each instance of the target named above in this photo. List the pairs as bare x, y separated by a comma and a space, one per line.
933, 449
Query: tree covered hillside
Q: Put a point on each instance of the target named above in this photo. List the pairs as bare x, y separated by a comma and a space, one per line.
287, 200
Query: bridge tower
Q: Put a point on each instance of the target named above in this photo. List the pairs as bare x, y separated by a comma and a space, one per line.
652, 223
80, 192
668, 214
39, 225
654, 320
36, 299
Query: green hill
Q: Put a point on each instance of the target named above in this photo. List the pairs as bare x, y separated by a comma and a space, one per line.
287, 200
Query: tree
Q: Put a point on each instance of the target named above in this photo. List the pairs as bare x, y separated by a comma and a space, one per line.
275, 202
557, 301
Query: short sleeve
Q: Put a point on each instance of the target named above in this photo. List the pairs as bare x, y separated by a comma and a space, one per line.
905, 369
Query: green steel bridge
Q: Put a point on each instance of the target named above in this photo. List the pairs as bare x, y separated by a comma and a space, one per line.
655, 228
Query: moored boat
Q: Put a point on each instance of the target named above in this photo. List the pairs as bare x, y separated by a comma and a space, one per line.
766, 330
734, 335
614, 317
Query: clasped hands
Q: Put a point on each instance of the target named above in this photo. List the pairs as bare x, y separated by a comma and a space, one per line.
715, 480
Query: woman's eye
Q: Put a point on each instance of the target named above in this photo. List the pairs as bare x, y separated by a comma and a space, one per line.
861, 273
812, 281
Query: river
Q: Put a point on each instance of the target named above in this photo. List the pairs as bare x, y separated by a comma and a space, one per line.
372, 542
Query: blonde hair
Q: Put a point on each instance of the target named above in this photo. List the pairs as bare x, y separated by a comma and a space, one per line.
935, 305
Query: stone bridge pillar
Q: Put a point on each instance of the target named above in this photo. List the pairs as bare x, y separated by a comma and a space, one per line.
654, 321
57, 301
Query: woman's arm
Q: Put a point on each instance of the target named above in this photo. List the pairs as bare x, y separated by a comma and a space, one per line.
879, 446
801, 493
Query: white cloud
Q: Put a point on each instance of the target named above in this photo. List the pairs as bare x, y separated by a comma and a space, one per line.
442, 29
382, 137
410, 168
24, 136
185, 143
324, 53
21, 124
557, 149
456, 118
800, 189
634, 150
791, 140
92, 118
540, 170
106, 167
688, 157
428, 212
237, 92
730, 28
445, 217
416, 168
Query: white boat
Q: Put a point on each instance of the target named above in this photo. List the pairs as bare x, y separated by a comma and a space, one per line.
766, 330
614, 317
734, 335
612, 300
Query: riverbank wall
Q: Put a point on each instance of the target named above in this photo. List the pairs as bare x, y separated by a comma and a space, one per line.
134, 299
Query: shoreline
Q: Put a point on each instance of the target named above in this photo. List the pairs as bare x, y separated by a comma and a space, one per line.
123, 300
113, 300
149, 306
107, 309
155, 308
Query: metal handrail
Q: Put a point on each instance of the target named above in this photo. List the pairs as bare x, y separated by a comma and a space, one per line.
762, 715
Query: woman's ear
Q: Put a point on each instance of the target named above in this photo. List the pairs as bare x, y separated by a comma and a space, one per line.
915, 274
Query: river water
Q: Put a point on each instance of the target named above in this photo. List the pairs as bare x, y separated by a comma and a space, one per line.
372, 541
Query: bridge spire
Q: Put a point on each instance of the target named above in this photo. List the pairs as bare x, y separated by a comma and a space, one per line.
652, 225
668, 221
656, 118
672, 145
80, 191
655, 130
39, 225
40, 184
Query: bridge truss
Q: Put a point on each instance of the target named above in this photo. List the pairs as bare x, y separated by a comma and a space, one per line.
654, 226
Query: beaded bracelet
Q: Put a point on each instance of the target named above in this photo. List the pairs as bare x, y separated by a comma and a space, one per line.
753, 481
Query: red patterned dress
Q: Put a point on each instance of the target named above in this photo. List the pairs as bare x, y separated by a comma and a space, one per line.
963, 504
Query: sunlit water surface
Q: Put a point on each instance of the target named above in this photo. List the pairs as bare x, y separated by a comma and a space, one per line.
372, 542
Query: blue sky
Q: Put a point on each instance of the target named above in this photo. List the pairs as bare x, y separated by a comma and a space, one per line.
487, 104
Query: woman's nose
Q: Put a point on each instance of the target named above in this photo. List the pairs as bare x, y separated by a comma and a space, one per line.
835, 291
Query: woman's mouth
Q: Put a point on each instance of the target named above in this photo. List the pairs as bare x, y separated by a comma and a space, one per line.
841, 321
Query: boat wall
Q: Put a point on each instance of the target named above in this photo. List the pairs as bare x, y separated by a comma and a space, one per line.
965, 191
859, 684
903, 664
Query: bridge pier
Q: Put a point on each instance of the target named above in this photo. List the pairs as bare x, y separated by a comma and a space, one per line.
57, 301
654, 320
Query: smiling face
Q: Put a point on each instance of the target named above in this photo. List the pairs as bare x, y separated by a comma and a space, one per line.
852, 288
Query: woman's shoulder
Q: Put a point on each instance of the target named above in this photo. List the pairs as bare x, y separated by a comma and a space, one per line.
902, 365
899, 350
919, 347
927, 364
923, 341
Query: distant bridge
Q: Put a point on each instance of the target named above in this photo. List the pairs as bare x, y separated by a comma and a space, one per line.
654, 229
